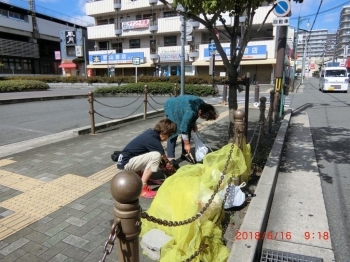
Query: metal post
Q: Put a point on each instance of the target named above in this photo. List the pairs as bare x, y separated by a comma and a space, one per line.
246, 105
107, 59
175, 89
303, 64
126, 187
183, 52
262, 120
257, 91
272, 96
84, 49
213, 73
91, 111
145, 90
238, 131
224, 95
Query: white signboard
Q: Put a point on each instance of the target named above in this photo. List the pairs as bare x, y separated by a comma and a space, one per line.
79, 51
282, 21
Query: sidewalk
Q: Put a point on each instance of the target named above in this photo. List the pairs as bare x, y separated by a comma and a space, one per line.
55, 203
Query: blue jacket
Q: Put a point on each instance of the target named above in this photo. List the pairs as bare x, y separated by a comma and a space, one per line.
183, 110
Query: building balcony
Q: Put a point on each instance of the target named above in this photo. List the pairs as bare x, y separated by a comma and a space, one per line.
108, 7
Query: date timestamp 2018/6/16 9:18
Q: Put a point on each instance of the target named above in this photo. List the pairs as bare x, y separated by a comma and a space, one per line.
316, 235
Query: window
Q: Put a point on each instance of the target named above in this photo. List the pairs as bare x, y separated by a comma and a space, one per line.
3, 12
170, 14
118, 47
138, 17
27, 66
149, 16
170, 40
100, 21
134, 43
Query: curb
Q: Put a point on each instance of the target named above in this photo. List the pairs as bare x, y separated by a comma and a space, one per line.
258, 211
35, 99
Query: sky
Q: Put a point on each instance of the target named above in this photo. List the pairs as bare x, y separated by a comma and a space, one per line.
327, 19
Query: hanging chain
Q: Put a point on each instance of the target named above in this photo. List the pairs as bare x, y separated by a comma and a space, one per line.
200, 249
157, 110
155, 100
201, 212
108, 247
120, 117
117, 106
257, 142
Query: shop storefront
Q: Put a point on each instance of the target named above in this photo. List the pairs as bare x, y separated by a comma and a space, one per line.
170, 64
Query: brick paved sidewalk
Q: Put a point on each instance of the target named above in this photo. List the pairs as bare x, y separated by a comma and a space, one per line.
55, 201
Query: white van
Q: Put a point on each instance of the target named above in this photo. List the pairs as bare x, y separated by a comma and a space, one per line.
334, 79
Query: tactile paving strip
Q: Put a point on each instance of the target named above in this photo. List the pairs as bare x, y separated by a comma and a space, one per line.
40, 199
4, 162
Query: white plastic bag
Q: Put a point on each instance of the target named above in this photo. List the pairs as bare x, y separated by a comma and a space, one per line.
200, 148
235, 197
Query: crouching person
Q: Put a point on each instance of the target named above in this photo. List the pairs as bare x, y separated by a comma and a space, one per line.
144, 153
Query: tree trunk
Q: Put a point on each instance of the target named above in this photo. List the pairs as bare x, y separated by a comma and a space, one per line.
232, 101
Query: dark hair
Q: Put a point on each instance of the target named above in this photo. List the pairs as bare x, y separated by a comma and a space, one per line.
165, 126
208, 112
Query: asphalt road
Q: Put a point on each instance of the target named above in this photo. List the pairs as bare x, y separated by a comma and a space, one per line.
24, 121
330, 128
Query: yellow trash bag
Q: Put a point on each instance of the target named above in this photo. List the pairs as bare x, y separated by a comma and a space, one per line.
186, 193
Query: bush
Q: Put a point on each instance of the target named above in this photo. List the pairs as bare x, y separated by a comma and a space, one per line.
22, 85
156, 88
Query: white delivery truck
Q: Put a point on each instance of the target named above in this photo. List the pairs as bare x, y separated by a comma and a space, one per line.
334, 79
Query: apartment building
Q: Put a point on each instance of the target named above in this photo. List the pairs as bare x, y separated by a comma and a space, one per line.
28, 43
149, 31
343, 32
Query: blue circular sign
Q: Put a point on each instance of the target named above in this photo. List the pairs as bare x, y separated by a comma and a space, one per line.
282, 8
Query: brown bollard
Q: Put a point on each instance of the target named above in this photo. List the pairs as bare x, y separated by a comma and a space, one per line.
175, 89
92, 111
262, 120
126, 187
145, 91
257, 91
272, 97
239, 133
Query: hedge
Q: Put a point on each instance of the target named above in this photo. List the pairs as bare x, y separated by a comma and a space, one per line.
156, 88
22, 85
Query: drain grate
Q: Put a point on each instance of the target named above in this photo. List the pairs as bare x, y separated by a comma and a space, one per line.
269, 255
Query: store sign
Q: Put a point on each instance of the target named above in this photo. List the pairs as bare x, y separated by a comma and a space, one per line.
135, 24
171, 57
101, 57
250, 52
58, 55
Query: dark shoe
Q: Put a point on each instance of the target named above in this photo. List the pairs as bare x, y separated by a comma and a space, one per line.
174, 164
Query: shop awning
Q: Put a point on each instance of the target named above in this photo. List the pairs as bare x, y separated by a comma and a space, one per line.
243, 62
121, 66
67, 65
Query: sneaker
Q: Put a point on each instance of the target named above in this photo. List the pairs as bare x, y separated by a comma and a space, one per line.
147, 192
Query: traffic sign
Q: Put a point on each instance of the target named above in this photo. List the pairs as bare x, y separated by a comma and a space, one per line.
282, 21
136, 60
282, 8
212, 49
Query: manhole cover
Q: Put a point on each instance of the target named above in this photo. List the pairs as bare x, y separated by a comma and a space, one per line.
269, 255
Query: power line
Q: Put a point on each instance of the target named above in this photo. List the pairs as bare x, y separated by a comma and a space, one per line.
325, 11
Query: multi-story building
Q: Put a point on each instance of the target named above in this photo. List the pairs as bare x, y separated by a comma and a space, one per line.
29, 39
149, 31
344, 32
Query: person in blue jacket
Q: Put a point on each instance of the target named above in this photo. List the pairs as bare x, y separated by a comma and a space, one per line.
144, 153
184, 111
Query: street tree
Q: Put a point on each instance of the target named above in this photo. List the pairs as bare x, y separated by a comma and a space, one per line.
209, 13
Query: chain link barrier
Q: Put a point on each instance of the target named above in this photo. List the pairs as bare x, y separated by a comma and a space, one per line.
111, 118
117, 106
157, 110
150, 95
108, 247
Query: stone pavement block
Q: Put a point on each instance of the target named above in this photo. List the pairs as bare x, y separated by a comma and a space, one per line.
76, 221
53, 251
13, 256
58, 228
76, 206
51, 242
97, 241
18, 237
92, 214
29, 257
94, 232
13, 246
75, 241
37, 237
58, 258
34, 248
75, 253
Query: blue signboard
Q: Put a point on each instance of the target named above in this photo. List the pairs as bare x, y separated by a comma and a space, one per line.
100, 57
282, 8
212, 49
250, 52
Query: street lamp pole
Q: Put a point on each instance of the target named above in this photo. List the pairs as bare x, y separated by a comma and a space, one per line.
300, 19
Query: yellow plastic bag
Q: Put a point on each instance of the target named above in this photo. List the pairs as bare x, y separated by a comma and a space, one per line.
183, 195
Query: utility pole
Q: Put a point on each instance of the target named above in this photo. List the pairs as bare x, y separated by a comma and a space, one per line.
282, 40
304, 58
183, 42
